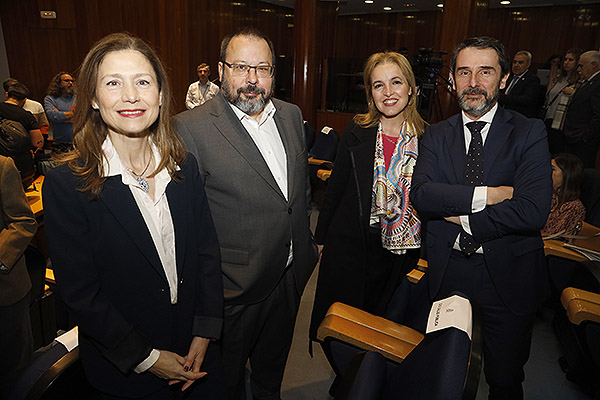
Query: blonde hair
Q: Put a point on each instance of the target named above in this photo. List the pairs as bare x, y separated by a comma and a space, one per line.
373, 115
90, 130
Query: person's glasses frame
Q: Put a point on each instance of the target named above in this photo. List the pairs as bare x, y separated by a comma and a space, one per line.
262, 71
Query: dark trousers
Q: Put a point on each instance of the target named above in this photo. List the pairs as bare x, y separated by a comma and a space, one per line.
16, 343
506, 336
261, 333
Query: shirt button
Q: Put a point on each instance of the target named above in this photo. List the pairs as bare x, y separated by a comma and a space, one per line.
289, 210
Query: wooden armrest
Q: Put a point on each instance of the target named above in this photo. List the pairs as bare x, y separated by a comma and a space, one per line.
579, 311
415, 276
50, 276
323, 174
588, 230
571, 293
317, 162
368, 332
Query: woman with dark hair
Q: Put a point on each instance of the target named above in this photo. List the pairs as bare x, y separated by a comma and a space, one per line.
560, 89
567, 211
131, 237
368, 229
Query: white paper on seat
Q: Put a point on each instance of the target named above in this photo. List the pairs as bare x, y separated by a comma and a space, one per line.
326, 130
69, 339
454, 311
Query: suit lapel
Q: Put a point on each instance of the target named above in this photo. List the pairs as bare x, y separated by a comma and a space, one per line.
177, 198
456, 146
363, 158
240, 140
287, 130
120, 202
498, 134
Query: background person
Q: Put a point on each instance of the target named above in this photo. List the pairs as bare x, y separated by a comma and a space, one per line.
203, 90
34, 107
522, 87
582, 120
131, 238
560, 90
59, 104
566, 210
370, 231
17, 227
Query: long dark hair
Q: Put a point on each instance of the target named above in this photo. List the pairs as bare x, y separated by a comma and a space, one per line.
90, 130
572, 176
55, 82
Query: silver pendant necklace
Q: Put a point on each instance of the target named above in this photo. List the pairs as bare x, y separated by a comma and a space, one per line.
140, 179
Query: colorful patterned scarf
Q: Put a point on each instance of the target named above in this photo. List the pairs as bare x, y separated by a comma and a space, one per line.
400, 226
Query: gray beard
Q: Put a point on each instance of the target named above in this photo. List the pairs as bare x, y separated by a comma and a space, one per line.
67, 91
250, 107
483, 107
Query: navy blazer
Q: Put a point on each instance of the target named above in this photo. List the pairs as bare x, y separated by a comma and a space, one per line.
109, 274
524, 97
516, 154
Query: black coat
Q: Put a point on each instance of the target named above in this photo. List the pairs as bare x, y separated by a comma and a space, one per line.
524, 95
343, 226
109, 274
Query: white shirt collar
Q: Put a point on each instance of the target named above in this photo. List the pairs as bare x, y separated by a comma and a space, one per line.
593, 75
113, 166
487, 117
268, 112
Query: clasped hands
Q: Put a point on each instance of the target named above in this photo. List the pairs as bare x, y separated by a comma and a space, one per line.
175, 368
495, 195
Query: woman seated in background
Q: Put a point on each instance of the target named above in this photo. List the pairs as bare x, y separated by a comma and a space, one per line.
370, 231
561, 87
566, 211
131, 238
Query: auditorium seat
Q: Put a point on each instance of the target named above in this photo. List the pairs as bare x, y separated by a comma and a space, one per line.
55, 373
364, 349
578, 330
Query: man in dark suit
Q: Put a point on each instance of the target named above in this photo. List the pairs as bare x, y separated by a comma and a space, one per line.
251, 152
522, 87
582, 122
483, 182
17, 227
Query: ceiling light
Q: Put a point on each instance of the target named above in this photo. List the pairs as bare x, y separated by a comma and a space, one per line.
387, 8
369, 1
441, 5
505, 2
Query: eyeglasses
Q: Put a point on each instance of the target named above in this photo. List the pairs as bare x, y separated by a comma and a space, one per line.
68, 80
262, 71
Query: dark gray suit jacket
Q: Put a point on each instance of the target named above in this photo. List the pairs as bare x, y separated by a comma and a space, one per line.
255, 223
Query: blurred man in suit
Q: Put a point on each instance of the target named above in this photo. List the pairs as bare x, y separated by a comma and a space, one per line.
17, 227
483, 182
582, 122
251, 150
522, 87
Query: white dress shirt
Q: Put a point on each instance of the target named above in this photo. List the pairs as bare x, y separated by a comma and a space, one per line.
480, 192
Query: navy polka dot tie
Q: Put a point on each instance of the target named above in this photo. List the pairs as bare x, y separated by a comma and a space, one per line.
473, 177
